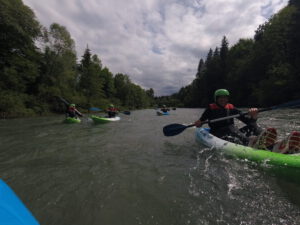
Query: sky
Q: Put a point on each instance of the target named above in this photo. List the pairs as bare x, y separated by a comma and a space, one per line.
158, 43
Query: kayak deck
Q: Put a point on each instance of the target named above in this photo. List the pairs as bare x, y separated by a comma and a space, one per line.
244, 152
103, 120
12, 210
72, 120
162, 113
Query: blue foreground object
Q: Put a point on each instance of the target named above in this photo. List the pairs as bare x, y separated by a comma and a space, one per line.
12, 210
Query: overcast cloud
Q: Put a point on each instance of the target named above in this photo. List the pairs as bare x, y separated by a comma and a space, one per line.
158, 43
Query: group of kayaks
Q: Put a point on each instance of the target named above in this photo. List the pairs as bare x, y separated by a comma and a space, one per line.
247, 153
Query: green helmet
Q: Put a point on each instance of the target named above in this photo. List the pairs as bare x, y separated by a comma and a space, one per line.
72, 105
111, 105
221, 92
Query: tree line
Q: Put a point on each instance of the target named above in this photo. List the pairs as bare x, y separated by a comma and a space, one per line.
37, 64
259, 71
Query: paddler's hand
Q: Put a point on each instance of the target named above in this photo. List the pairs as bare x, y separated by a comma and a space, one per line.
253, 112
198, 123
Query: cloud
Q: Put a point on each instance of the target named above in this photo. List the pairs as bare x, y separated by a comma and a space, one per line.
157, 43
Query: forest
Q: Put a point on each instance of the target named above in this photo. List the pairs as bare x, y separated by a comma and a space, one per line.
259, 71
38, 65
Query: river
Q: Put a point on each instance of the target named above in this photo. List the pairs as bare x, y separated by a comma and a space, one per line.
128, 173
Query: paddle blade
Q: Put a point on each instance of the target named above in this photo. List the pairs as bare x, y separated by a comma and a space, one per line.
127, 112
63, 100
174, 129
291, 104
94, 109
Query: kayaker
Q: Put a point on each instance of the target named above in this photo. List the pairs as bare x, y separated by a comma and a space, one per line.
112, 111
72, 111
164, 109
225, 129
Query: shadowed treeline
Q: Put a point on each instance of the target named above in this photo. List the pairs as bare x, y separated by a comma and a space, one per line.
38, 63
262, 71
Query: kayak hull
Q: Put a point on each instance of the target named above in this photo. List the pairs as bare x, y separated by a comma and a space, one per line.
12, 210
162, 113
103, 120
243, 152
72, 120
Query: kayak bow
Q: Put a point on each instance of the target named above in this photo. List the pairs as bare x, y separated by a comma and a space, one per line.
162, 113
12, 210
72, 120
102, 120
244, 152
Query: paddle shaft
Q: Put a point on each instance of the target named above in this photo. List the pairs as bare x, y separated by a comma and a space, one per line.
67, 103
174, 129
64, 100
241, 114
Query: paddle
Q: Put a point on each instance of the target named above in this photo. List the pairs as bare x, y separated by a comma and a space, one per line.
174, 129
127, 112
63, 100
95, 109
67, 104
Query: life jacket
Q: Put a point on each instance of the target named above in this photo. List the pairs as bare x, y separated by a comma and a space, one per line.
218, 112
71, 109
112, 109
214, 106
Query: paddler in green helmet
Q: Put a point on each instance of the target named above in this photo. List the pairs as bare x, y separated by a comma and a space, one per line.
226, 129
112, 111
251, 134
72, 111
164, 109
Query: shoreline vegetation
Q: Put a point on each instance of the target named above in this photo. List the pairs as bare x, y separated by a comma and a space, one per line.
39, 63
258, 72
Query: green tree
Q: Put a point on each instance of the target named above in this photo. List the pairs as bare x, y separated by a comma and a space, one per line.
108, 83
91, 83
18, 56
58, 69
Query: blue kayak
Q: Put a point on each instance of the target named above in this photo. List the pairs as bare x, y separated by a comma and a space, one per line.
159, 113
12, 210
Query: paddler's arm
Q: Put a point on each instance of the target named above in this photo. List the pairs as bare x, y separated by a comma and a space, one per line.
252, 112
204, 117
78, 113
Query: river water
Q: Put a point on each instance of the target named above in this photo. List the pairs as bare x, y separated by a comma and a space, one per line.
128, 173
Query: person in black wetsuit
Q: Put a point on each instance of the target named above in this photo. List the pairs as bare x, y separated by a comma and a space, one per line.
164, 109
225, 129
73, 112
112, 111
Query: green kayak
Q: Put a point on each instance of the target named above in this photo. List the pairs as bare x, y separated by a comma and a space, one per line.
72, 120
243, 152
102, 120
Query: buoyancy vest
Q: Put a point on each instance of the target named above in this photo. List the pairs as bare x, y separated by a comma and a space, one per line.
214, 106
71, 109
217, 111
112, 109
